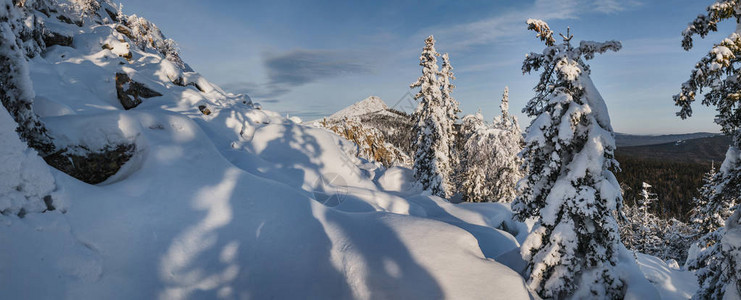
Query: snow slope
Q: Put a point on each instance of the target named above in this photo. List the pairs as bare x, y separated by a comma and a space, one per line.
226, 205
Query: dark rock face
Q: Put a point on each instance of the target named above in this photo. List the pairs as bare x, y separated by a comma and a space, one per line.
112, 15
67, 20
91, 166
53, 38
130, 92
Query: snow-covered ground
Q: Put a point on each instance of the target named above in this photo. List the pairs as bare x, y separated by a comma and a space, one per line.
240, 203
671, 281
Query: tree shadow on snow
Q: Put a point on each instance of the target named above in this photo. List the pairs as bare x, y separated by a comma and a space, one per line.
388, 271
249, 238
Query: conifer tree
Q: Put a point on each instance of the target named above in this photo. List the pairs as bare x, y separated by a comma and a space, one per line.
432, 159
470, 124
451, 107
569, 151
716, 75
490, 165
649, 241
710, 209
718, 266
472, 171
506, 164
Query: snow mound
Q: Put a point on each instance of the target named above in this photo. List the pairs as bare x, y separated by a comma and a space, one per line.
671, 282
368, 105
25, 179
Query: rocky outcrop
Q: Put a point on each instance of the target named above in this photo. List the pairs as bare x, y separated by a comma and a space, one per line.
125, 31
91, 166
54, 38
371, 143
130, 92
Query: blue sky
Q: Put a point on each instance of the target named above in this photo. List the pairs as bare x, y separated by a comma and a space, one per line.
311, 58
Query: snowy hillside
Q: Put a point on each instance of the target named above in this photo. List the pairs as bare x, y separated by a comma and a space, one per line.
219, 198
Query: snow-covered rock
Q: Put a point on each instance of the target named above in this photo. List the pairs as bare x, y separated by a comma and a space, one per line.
25, 179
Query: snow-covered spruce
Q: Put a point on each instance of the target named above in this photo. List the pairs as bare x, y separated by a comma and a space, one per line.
719, 264
450, 106
717, 72
642, 231
489, 165
710, 210
646, 222
472, 174
569, 151
507, 161
433, 161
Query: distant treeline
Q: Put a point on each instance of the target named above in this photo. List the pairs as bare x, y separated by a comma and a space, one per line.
674, 182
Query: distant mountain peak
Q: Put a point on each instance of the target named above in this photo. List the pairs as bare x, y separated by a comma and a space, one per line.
368, 105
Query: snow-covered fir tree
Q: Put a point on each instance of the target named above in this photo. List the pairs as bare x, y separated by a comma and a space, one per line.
710, 210
450, 105
506, 162
719, 264
716, 76
569, 151
469, 125
472, 173
432, 160
627, 221
490, 165
640, 230
646, 221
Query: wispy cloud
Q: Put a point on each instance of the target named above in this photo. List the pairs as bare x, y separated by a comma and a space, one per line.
510, 23
614, 6
295, 68
299, 67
